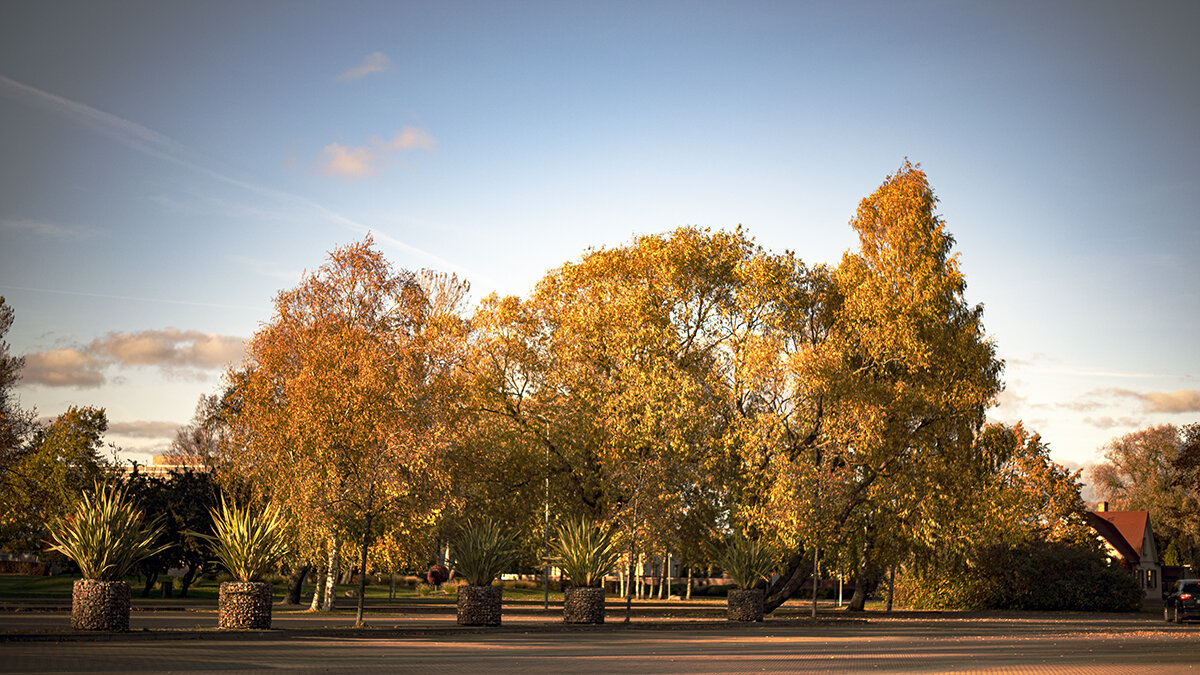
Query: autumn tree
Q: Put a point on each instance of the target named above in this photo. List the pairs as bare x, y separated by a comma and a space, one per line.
1153, 470
890, 377
606, 377
345, 403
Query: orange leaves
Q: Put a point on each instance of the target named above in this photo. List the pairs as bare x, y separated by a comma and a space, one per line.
346, 395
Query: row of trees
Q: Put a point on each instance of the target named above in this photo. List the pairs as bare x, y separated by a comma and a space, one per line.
675, 390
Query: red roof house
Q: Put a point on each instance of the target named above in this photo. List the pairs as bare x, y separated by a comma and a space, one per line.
1129, 538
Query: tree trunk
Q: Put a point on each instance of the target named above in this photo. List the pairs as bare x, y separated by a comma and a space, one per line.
815, 579
629, 588
362, 574
689, 584
317, 586
891, 587
150, 579
296, 584
331, 575
858, 601
795, 573
186, 581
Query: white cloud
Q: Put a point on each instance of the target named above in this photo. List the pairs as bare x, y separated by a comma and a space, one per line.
376, 62
62, 368
178, 353
368, 160
339, 160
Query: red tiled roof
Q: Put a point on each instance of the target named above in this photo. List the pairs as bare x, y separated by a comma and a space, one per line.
1125, 530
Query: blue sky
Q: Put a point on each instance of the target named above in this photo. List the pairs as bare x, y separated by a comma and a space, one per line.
166, 168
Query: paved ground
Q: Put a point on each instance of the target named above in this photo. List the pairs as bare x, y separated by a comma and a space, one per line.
530, 643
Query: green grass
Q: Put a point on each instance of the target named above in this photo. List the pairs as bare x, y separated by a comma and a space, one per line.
59, 586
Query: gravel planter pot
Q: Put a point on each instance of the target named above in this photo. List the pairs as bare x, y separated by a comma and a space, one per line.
244, 604
479, 605
746, 604
100, 605
584, 604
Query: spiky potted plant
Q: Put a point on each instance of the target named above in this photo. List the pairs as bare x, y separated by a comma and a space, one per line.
248, 544
481, 552
106, 535
587, 554
748, 562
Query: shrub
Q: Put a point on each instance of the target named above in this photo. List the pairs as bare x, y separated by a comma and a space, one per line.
247, 544
105, 535
585, 553
747, 561
1032, 576
482, 551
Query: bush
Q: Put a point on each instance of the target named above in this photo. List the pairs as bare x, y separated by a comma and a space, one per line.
105, 535
482, 551
1047, 576
248, 544
585, 552
747, 562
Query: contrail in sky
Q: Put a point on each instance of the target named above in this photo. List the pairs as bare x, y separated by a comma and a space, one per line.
150, 142
133, 297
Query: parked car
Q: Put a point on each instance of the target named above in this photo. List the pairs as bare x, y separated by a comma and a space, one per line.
1184, 602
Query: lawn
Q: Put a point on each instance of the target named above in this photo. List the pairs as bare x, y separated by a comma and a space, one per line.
59, 586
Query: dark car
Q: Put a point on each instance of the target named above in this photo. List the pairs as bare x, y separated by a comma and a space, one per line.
1184, 602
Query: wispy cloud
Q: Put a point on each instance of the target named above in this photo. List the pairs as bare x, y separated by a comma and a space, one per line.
1178, 401
1114, 422
149, 142
269, 269
376, 62
368, 160
135, 298
177, 353
41, 228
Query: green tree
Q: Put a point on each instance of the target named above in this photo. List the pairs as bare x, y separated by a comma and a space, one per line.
15, 424
60, 461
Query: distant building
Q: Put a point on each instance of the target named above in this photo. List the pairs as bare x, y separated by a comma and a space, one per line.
1129, 538
163, 465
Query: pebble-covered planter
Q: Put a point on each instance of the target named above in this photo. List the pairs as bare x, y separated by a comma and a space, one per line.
100, 605
746, 604
479, 605
244, 604
584, 604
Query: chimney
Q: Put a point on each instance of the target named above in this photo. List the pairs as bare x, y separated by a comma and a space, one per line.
1102, 507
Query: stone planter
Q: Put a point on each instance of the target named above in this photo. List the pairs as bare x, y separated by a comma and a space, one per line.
583, 604
100, 605
244, 604
745, 604
479, 605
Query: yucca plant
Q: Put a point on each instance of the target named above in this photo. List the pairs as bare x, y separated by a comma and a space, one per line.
248, 544
748, 562
105, 535
585, 552
482, 551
